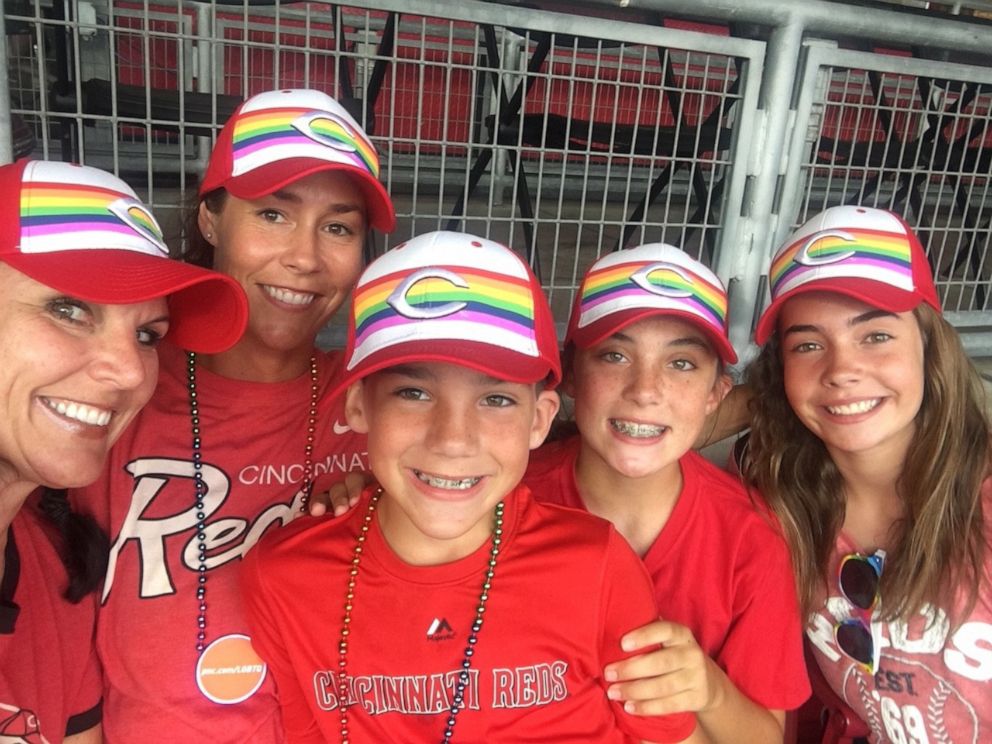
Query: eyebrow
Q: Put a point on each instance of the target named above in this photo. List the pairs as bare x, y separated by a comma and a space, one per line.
338, 208
856, 320
408, 370
683, 341
418, 372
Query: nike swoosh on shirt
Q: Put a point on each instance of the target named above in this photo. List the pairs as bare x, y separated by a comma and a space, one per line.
340, 428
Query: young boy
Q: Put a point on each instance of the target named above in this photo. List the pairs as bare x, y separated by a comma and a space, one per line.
450, 604
645, 355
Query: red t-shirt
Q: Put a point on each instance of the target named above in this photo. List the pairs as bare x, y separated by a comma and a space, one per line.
931, 685
720, 567
253, 439
566, 588
50, 683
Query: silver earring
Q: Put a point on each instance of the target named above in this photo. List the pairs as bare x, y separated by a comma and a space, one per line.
208, 235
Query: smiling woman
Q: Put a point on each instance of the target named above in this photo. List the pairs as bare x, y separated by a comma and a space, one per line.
286, 202
87, 291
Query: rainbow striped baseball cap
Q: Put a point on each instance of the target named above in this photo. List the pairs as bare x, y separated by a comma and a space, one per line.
84, 232
869, 254
653, 279
280, 136
456, 298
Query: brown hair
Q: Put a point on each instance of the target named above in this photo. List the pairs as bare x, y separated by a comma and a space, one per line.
939, 547
197, 250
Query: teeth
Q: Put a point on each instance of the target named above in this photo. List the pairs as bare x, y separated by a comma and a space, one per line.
854, 408
80, 412
453, 485
631, 429
288, 296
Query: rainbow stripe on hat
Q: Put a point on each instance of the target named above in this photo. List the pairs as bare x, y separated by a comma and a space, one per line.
272, 134
444, 302
854, 252
628, 285
56, 215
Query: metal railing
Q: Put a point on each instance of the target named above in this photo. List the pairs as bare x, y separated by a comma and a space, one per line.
564, 135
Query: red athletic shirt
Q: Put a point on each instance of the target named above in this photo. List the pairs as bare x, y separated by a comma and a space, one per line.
566, 588
720, 567
49, 675
253, 438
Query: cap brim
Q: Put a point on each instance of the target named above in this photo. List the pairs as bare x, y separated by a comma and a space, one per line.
208, 311
268, 179
603, 328
481, 357
876, 294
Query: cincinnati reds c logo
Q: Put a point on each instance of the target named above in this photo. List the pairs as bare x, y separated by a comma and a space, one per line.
326, 129
397, 299
642, 280
805, 259
134, 214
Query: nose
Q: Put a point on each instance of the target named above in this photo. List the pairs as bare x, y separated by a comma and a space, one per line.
842, 366
644, 384
452, 431
119, 360
302, 255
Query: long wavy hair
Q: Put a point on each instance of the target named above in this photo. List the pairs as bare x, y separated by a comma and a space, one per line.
940, 546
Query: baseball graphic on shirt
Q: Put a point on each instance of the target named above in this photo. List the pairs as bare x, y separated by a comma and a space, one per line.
906, 701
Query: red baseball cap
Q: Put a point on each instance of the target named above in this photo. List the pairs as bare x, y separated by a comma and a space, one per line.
654, 279
456, 298
84, 232
280, 136
869, 254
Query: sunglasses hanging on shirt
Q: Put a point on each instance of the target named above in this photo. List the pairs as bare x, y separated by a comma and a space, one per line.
858, 579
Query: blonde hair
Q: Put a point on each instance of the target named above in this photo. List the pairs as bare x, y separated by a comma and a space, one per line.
939, 548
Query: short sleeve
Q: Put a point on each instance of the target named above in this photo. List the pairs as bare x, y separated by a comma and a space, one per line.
298, 720
773, 675
628, 602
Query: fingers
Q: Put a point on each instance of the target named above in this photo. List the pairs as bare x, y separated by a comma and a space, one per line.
658, 632
669, 679
319, 504
678, 687
345, 495
340, 497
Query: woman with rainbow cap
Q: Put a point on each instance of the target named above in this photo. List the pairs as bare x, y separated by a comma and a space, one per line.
87, 292
233, 443
871, 442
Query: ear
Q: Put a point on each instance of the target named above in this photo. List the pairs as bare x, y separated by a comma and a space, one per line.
205, 220
545, 409
354, 408
721, 387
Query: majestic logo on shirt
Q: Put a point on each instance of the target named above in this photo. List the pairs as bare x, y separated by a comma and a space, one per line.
19, 726
440, 630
